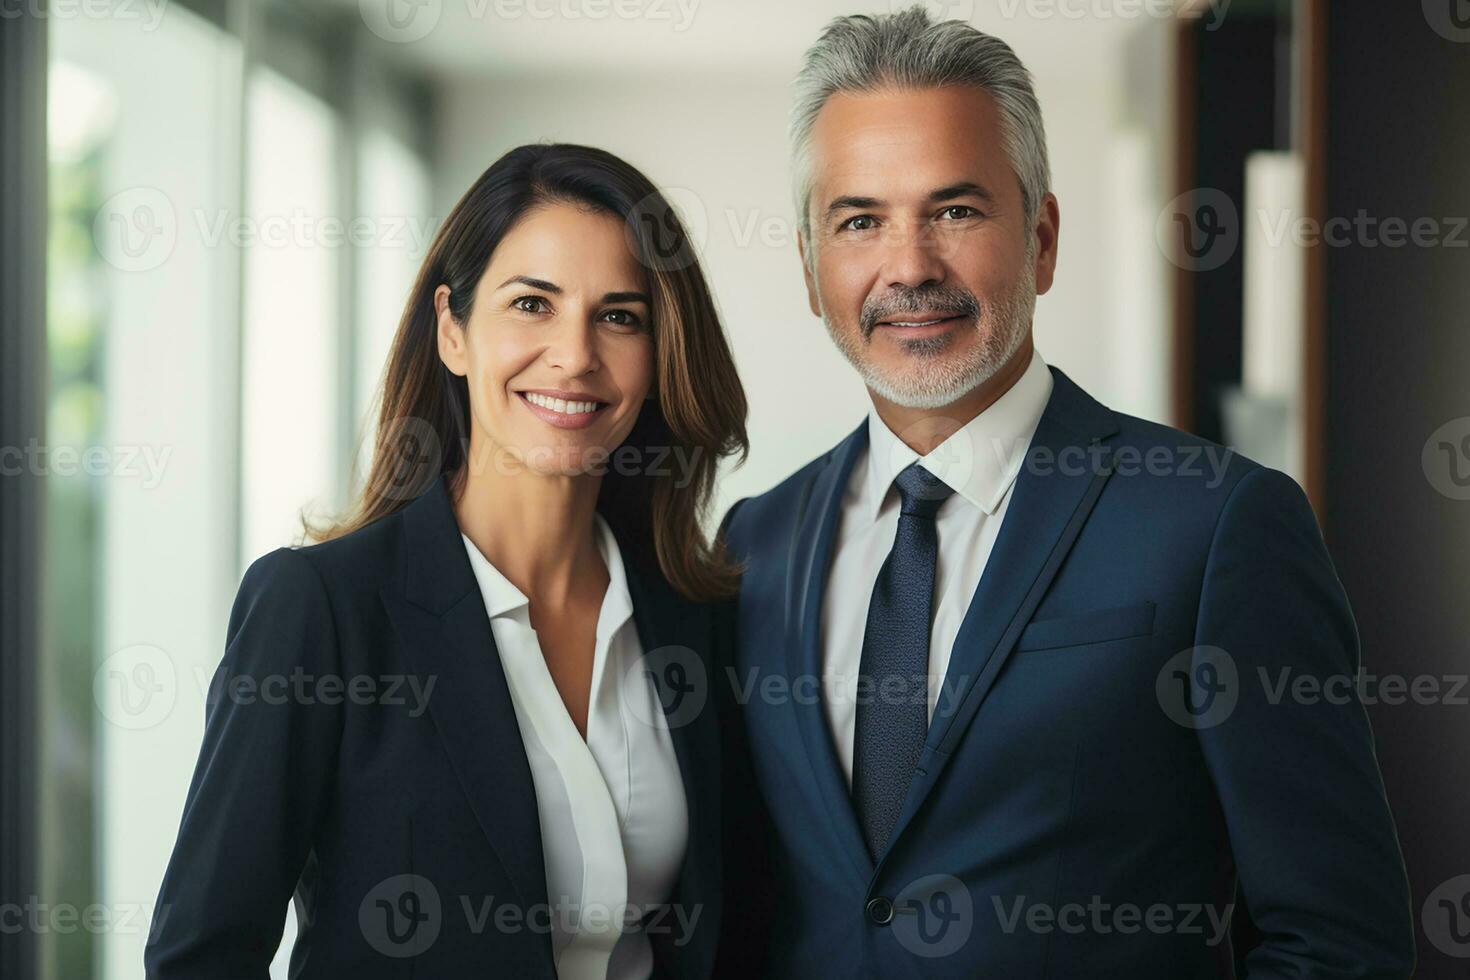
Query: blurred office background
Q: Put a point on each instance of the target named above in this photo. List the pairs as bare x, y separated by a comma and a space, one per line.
212, 211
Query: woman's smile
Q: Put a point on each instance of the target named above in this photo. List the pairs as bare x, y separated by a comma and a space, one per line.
563, 409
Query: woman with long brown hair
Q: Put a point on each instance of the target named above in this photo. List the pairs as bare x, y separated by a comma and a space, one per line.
472, 728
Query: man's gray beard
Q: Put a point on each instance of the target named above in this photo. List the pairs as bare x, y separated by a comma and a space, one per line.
1003, 326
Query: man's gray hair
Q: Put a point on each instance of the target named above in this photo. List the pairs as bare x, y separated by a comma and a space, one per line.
907, 50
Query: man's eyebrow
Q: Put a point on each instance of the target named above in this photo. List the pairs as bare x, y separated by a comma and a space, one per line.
965, 188
848, 203
534, 283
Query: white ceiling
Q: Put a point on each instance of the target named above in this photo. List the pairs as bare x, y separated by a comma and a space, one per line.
740, 38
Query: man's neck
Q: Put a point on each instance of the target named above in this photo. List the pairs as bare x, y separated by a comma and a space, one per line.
924, 429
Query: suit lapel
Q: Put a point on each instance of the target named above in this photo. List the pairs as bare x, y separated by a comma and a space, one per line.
439, 616
811, 561
1066, 468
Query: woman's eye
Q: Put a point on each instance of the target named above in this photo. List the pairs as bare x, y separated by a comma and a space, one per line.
860, 222
529, 304
957, 211
623, 318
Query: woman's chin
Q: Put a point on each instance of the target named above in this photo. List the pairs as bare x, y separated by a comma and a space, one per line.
567, 456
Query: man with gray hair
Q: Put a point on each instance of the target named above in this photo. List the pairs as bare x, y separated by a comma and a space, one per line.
1011, 662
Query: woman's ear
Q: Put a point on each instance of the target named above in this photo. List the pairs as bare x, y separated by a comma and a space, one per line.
450, 334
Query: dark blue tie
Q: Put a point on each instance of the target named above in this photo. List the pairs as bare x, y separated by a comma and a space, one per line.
893, 698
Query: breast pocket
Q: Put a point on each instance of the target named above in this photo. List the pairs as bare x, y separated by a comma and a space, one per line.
1082, 629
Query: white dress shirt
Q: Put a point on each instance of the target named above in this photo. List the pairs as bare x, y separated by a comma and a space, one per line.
614, 820
980, 461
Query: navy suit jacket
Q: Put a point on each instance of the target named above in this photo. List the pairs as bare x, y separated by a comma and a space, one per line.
1126, 747
403, 817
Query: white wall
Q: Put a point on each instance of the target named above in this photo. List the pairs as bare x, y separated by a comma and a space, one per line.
718, 145
166, 563
174, 538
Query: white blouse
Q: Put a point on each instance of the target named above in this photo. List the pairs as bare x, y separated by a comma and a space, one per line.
614, 820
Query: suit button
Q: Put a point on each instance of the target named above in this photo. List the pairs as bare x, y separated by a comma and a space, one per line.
880, 911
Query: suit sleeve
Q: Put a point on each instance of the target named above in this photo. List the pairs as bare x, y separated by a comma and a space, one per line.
261, 783
1313, 840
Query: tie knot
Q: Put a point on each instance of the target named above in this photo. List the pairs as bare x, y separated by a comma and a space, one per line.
921, 491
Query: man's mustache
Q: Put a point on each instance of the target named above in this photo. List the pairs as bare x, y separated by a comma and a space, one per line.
944, 300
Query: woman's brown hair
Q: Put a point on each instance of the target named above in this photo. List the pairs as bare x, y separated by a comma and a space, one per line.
697, 414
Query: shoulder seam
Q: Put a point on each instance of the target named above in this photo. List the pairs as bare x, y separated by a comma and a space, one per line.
327, 596
1215, 531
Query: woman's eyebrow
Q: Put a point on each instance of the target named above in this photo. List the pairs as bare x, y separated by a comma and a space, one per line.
533, 282
628, 297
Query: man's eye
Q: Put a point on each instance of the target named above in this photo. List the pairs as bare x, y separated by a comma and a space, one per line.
957, 211
529, 304
624, 318
860, 222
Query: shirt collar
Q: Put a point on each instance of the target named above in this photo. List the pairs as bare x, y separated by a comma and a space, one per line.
502, 597
980, 460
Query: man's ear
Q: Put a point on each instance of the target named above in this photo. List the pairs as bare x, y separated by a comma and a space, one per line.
449, 334
1048, 230
806, 271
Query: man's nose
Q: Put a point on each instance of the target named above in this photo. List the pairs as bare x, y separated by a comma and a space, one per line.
913, 257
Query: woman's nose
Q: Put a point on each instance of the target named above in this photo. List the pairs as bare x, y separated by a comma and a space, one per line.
573, 346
